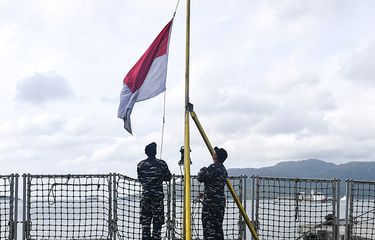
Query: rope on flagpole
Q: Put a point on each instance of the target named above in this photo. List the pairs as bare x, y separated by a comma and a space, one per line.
162, 128
165, 93
175, 10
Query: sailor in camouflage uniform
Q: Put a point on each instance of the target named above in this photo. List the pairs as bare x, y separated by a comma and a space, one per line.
151, 174
214, 179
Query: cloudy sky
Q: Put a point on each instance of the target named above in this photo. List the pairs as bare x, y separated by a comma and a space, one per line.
271, 81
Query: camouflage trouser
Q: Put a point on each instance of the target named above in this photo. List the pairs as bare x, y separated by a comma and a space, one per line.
212, 220
152, 209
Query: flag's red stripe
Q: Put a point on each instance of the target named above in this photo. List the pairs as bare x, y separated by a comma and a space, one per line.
135, 77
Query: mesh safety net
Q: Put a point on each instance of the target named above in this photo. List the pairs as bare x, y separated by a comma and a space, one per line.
68, 206
96, 207
6, 206
361, 209
293, 208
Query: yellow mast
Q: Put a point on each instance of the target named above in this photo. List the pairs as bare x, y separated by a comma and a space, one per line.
187, 202
189, 111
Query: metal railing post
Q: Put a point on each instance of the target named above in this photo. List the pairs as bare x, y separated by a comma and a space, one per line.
173, 223
15, 206
24, 203
110, 202
244, 179
253, 199
337, 199
347, 220
169, 188
114, 200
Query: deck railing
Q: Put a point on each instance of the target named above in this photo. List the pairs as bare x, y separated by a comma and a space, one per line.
8, 206
296, 208
106, 206
360, 208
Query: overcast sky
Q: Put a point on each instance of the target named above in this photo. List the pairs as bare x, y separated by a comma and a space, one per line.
271, 81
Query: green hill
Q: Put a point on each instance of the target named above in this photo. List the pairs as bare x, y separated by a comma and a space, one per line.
312, 168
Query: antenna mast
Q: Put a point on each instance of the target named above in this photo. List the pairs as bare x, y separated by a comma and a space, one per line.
187, 200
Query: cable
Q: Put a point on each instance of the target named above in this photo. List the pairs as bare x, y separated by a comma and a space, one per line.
162, 128
175, 10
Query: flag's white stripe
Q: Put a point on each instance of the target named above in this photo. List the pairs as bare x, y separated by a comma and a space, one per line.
127, 101
154, 82
153, 85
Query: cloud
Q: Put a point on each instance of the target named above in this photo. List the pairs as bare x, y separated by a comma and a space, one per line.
41, 88
361, 68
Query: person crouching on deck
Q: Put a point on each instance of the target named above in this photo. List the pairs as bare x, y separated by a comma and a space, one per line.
214, 179
151, 174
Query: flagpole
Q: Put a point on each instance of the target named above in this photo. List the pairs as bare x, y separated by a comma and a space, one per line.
187, 202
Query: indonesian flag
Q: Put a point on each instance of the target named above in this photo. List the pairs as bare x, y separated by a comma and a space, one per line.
147, 77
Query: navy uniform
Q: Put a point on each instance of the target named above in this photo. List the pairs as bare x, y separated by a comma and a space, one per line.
214, 179
151, 174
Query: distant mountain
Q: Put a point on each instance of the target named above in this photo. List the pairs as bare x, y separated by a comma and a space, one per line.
312, 168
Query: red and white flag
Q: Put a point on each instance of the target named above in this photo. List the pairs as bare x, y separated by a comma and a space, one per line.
147, 77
